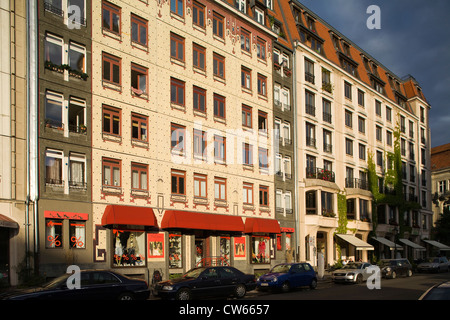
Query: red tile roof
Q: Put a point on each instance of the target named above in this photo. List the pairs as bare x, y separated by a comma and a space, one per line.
440, 157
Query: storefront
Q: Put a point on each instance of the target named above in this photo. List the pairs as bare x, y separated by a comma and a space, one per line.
7, 228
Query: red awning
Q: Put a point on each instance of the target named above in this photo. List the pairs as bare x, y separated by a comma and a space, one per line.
258, 225
8, 222
128, 216
175, 219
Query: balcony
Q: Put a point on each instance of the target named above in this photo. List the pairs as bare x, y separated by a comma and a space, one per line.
321, 174
356, 183
327, 117
327, 147
310, 142
309, 77
311, 110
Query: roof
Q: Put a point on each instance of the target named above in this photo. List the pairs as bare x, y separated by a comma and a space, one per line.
440, 157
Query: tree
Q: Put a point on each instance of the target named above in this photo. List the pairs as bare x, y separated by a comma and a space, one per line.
442, 229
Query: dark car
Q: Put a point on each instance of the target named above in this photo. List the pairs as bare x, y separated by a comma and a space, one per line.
94, 285
435, 264
440, 291
288, 275
217, 281
391, 268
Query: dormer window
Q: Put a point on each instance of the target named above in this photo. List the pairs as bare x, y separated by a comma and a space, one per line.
259, 15
346, 48
241, 6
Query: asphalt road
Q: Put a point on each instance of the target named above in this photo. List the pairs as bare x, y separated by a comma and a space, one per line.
401, 288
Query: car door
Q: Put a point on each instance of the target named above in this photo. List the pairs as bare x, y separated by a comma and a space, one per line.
229, 279
209, 283
103, 285
295, 275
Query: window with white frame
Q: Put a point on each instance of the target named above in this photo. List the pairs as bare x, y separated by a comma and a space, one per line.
77, 115
279, 199
277, 94
288, 202
278, 161
287, 133
259, 14
241, 5
54, 110
54, 174
77, 57
285, 100
77, 170
287, 167
53, 50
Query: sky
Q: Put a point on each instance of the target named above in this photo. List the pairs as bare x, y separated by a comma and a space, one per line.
414, 39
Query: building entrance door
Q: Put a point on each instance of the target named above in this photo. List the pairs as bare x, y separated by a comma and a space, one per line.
4, 257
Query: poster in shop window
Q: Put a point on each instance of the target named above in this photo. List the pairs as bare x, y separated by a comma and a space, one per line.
239, 247
155, 245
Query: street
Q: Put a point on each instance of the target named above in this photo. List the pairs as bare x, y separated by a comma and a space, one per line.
391, 289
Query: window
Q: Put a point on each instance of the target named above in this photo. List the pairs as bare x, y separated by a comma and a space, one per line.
199, 103
112, 176
411, 129
111, 120
247, 194
327, 143
245, 40
111, 69
259, 14
326, 80
378, 108
218, 25
380, 159
246, 78
200, 185
361, 125
177, 91
389, 138
262, 85
402, 124
77, 171
261, 49
178, 134
378, 133
198, 56
54, 49
139, 28
327, 202
218, 66
348, 90
111, 16
139, 76
262, 122
241, 5
310, 135
139, 125
411, 151
247, 154
309, 71
361, 101
362, 152
263, 156
178, 182
422, 114
200, 143
311, 202
220, 188
348, 146
287, 168
326, 105
287, 133
54, 110
219, 106
176, 47
53, 233
220, 148
77, 234
288, 202
198, 14
348, 118
310, 103
77, 57
246, 116
264, 196
54, 167
177, 7
139, 176
388, 114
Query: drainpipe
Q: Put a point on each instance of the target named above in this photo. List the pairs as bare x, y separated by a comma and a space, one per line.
294, 110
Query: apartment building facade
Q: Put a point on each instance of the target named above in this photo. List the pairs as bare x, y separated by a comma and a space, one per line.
182, 136
64, 135
440, 177
359, 158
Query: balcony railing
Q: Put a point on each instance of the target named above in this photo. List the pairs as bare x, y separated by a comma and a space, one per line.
309, 77
310, 142
328, 147
321, 174
327, 117
356, 183
51, 8
311, 110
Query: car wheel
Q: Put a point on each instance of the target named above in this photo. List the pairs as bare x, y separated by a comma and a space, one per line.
409, 273
240, 291
184, 294
126, 296
313, 284
359, 279
393, 275
285, 287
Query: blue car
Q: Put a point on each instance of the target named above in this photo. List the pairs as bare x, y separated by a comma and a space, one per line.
286, 276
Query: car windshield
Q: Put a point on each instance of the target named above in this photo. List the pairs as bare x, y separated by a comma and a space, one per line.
282, 268
385, 263
194, 273
352, 266
56, 282
433, 260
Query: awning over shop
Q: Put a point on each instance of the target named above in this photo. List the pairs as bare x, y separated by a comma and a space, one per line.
354, 241
176, 219
259, 225
116, 216
412, 244
438, 245
6, 222
388, 243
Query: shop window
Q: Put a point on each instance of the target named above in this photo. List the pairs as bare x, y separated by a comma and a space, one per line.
175, 255
239, 247
225, 250
260, 249
77, 234
53, 233
129, 248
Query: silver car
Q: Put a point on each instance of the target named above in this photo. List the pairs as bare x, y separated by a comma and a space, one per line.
353, 272
436, 264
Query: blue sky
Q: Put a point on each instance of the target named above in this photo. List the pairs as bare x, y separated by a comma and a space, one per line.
414, 39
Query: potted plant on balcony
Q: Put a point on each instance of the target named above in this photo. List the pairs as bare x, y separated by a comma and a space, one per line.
83, 128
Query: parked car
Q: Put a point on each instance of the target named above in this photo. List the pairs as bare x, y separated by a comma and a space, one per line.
435, 264
206, 282
286, 276
440, 291
391, 268
353, 272
94, 285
